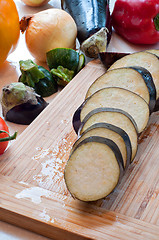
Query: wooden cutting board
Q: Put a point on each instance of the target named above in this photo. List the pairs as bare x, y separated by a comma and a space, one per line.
33, 194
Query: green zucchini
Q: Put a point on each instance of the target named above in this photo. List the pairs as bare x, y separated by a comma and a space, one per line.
38, 78
65, 57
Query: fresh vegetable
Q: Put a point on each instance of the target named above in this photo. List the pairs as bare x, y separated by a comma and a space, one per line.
90, 176
64, 64
116, 98
35, 3
20, 103
9, 28
116, 134
142, 59
93, 24
116, 117
109, 101
81, 62
4, 136
135, 79
108, 58
49, 29
146, 75
62, 75
126, 78
38, 78
154, 51
66, 57
137, 20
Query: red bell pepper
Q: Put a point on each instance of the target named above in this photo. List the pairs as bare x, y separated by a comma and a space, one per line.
137, 20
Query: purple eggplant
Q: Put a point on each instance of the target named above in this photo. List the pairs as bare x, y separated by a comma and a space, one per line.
93, 22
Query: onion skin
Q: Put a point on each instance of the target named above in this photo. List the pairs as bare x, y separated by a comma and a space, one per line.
35, 3
49, 29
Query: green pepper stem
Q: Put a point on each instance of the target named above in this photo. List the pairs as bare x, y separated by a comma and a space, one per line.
156, 22
9, 138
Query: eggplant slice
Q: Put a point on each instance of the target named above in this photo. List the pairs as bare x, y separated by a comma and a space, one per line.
115, 117
154, 51
120, 98
142, 59
108, 58
94, 169
116, 134
150, 85
126, 78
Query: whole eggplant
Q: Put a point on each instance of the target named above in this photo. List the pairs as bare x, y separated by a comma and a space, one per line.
92, 19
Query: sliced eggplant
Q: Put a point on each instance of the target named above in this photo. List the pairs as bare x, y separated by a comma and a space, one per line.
150, 85
108, 58
120, 98
154, 51
126, 78
94, 169
116, 134
142, 59
115, 117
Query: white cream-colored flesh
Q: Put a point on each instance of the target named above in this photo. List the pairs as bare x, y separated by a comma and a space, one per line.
92, 172
153, 51
106, 133
126, 78
121, 99
118, 119
143, 59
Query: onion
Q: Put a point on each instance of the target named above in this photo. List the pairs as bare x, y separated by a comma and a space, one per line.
49, 29
35, 3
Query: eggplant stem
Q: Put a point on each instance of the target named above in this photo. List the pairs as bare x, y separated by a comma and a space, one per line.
95, 43
9, 138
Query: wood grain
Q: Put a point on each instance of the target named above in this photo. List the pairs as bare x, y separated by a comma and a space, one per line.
33, 194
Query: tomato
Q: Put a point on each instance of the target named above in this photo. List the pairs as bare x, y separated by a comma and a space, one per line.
4, 136
9, 28
4, 127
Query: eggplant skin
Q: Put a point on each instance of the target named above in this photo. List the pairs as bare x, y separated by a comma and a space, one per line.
25, 113
149, 83
89, 16
108, 58
89, 192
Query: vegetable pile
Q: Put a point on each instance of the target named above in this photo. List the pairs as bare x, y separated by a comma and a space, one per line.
89, 21
137, 20
23, 101
113, 115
